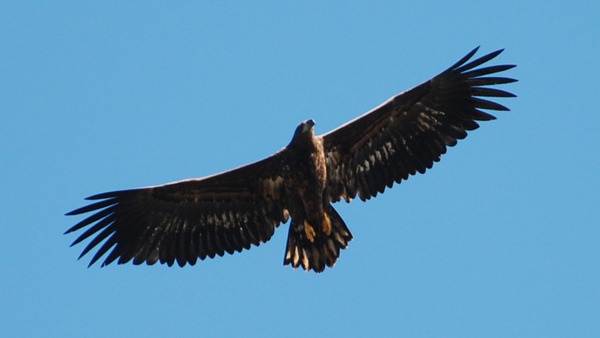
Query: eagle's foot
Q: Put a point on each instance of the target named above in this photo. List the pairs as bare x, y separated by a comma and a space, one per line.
310, 231
326, 224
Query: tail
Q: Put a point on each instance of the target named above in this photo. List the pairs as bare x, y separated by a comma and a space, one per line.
323, 251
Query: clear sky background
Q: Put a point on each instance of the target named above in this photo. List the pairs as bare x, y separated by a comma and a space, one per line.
499, 239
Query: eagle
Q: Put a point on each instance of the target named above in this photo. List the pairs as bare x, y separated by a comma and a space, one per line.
228, 212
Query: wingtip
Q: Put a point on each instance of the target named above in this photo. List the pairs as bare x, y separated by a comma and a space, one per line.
498, 51
71, 213
463, 59
495, 53
70, 230
100, 196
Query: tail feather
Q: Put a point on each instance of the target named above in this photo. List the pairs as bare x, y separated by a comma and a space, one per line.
323, 251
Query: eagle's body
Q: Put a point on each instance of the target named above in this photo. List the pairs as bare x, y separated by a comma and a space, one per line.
198, 218
317, 232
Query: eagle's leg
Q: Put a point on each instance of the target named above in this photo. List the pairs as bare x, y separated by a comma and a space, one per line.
313, 250
326, 224
310, 231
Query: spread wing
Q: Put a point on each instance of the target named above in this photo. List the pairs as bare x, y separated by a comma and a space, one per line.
410, 131
187, 220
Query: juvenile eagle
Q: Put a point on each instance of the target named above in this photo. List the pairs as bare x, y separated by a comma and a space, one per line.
227, 212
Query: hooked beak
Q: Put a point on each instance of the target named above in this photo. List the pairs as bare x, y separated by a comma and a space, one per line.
308, 125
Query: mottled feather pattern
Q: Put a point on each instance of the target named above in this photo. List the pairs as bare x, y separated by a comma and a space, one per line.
409, 133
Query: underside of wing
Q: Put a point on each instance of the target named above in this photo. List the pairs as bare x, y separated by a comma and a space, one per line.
410, 131
183, 221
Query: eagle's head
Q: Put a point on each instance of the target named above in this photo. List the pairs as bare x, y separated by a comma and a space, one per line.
304, 132
306, 126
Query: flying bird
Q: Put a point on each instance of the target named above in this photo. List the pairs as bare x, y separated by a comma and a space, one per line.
225, 213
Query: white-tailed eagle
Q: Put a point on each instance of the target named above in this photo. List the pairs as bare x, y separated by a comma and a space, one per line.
197, 218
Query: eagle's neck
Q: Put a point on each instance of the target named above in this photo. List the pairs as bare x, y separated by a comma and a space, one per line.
304, 144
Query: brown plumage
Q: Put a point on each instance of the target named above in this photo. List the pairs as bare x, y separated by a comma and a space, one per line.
231, 211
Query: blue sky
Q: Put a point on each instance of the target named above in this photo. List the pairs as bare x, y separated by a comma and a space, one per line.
499, 239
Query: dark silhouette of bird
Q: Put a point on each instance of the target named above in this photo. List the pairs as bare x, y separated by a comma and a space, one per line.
197, 218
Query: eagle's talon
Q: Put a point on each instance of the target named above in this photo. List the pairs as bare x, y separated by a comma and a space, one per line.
326, 224
310, 231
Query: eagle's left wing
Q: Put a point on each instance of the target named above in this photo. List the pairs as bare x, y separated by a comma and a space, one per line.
410, 131
187, 220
